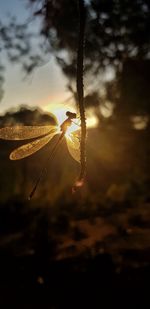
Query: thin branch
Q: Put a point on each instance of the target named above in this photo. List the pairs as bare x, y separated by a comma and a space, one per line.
80, 87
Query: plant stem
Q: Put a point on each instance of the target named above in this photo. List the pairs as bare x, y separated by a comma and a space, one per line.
80, 87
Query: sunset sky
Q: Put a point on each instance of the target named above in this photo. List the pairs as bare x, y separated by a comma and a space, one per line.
46, 85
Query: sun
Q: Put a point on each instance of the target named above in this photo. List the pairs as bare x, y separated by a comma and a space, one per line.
59, 110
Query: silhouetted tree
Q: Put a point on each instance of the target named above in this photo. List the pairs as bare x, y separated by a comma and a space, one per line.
115, 30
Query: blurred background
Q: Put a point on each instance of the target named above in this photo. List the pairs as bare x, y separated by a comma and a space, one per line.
103, 230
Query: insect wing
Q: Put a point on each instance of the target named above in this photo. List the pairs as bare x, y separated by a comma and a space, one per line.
73, 143
24, 132
30, 148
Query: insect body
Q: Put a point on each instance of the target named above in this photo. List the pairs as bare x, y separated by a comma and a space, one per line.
67, 123
42, 135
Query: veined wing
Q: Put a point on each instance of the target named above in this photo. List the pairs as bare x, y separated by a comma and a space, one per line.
25, 132
30, 148
73, 143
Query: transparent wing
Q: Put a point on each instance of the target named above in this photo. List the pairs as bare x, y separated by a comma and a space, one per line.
73, 143
30, 148
25, 132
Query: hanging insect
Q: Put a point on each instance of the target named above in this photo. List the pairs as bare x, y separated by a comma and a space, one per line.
42, 135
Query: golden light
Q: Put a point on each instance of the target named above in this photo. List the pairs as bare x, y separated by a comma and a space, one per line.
92, 120
140, 122
107, 109
74, 127
59, 110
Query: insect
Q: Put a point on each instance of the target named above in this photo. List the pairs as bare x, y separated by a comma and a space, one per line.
42, 135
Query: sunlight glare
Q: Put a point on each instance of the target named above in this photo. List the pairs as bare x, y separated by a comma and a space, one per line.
107, 109
140, 122
92, 120
59, 110
74, 127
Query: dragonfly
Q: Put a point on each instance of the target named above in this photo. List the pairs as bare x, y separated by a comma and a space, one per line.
41, 136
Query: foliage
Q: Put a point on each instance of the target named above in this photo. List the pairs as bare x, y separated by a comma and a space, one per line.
115, 31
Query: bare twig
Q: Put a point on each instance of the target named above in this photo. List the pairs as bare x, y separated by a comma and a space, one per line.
80, 88
80, 95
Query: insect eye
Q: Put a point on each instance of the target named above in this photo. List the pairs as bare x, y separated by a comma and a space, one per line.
74, 115
67, 113
71, 115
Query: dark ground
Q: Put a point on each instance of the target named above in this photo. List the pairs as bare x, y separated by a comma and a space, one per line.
73, 283
111, 272
86, 252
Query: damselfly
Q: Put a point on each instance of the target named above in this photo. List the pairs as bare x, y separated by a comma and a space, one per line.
43, 135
